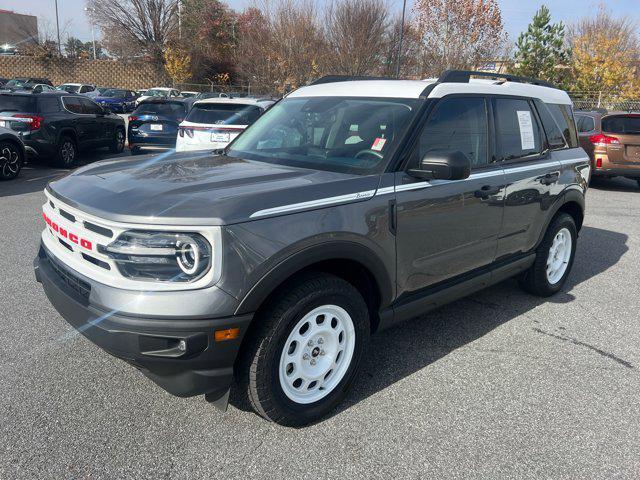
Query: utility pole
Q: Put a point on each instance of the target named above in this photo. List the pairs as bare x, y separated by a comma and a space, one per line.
404, 8
89, 11
58, 29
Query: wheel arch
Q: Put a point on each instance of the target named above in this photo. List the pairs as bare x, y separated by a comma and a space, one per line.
573, 204
350, 261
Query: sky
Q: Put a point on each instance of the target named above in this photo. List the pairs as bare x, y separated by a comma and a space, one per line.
516, 14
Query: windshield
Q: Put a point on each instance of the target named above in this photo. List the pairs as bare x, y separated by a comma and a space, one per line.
621, 124
156, 93
16, 83
69, 88
223, 114
352, 135
115, 93
173, 110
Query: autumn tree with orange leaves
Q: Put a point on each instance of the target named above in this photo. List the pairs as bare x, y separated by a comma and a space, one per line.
458, 34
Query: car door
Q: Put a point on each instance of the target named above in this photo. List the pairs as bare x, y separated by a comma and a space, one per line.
104, 127
84, 125
531, 170
448, 228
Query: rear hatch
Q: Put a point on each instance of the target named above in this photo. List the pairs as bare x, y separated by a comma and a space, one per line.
18, 111
626, 129
214, 125
157, 119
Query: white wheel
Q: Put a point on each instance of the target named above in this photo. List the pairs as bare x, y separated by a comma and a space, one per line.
317, 354
559, 256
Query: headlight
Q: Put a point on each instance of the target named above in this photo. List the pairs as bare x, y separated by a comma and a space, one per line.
161, 256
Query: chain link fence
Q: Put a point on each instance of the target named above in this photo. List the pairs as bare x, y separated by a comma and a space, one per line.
237, 90
603, 100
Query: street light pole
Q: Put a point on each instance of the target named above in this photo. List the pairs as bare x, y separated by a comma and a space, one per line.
93, 30
58, 29
404, 8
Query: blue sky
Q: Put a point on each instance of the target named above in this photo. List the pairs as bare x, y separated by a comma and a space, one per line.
516, 13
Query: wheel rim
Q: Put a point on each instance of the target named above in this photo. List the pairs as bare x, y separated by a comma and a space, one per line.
559, 256
317, 354
120, 140
68, 152
10, 161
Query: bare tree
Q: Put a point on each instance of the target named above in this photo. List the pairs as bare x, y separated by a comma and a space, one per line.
409, 55
356, 33
458, 33
148, 25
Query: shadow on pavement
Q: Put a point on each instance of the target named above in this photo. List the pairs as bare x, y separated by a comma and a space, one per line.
617, 184
401, 351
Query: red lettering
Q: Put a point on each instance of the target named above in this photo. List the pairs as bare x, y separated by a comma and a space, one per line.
54, 226
85, 244
63, 232
73, 237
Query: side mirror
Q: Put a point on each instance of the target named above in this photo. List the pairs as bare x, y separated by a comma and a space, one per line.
443, 165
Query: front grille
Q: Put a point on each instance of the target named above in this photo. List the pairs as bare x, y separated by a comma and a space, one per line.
80, 286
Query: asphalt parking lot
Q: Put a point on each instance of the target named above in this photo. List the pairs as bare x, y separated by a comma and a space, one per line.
498, 385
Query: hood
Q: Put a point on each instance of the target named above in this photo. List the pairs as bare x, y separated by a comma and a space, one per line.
203, 189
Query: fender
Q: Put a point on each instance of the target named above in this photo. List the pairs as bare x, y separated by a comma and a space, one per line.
335, 250
569, 195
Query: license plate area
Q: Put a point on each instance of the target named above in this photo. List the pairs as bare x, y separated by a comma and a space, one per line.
3, 124
633, 151
155, 127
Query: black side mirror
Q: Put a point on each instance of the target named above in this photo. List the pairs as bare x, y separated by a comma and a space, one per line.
443, 165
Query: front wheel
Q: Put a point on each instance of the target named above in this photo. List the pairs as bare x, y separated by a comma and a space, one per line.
66, 153
117, 145
306, 351
11, 161
554, 258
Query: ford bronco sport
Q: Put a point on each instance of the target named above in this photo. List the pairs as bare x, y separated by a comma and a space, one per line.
351, 205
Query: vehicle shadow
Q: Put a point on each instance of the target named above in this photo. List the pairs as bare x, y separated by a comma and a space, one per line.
403, 350
617, 184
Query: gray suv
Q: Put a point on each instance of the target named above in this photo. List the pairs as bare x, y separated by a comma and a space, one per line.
350, 206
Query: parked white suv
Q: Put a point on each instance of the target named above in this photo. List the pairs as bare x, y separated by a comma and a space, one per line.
214, 122
158, 92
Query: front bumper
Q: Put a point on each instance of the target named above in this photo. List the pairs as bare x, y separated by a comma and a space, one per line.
150, 344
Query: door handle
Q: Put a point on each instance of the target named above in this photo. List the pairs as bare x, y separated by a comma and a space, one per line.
486, 191
549, 178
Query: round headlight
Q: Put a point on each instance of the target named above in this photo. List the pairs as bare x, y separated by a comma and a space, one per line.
188, 256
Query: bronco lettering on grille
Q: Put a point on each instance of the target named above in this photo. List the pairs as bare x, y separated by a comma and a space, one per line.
64, 233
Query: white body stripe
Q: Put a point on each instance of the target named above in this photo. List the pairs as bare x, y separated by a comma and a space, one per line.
321, 202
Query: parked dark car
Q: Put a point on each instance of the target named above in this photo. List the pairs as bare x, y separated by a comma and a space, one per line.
56, 125
612, 141
12, 154
3, 81
154, 123
117, 100
20, 83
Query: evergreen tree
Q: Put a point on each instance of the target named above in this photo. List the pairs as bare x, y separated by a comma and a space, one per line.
541, 52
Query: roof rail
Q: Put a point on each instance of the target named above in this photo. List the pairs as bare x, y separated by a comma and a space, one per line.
463, 76
346, 78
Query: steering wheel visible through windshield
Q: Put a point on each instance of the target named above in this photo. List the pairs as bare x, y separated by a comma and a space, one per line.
345, 134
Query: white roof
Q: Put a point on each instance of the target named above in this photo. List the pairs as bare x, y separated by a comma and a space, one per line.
242, 101
167, 89
413, 89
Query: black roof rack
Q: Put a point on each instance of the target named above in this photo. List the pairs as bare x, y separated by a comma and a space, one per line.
346, 78
463, 76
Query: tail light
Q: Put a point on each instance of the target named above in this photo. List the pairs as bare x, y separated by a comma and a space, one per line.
602, 140
33, 121
133, 118
598, 162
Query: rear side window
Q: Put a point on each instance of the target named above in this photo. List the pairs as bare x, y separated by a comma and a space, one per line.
73, 104
563, 116
17, 103
585, 123
621, 124
555, 138
457, 124
517, 130
224, 114
165, 109
89, 107
49, 105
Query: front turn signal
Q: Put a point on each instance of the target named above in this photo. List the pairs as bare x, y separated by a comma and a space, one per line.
228, 334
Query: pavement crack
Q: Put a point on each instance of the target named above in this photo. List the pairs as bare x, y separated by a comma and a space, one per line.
574, 341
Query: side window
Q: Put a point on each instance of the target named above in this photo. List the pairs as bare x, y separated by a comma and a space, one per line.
89, 107
72, 104
585, 123
84, 89
49, 105
517, 131
457, 124
564, 118
555, 138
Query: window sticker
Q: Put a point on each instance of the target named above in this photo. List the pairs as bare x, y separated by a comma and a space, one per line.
526, 130
378, 144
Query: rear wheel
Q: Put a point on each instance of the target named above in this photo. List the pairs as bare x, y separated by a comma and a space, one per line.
306, 352
11, 161
117, 146
136, 151
554, 258
66, 153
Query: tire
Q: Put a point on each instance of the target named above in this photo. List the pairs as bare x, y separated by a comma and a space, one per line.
638, 182
11, 161
66, 153
119, 139
545, 280
266, 370
136, 151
